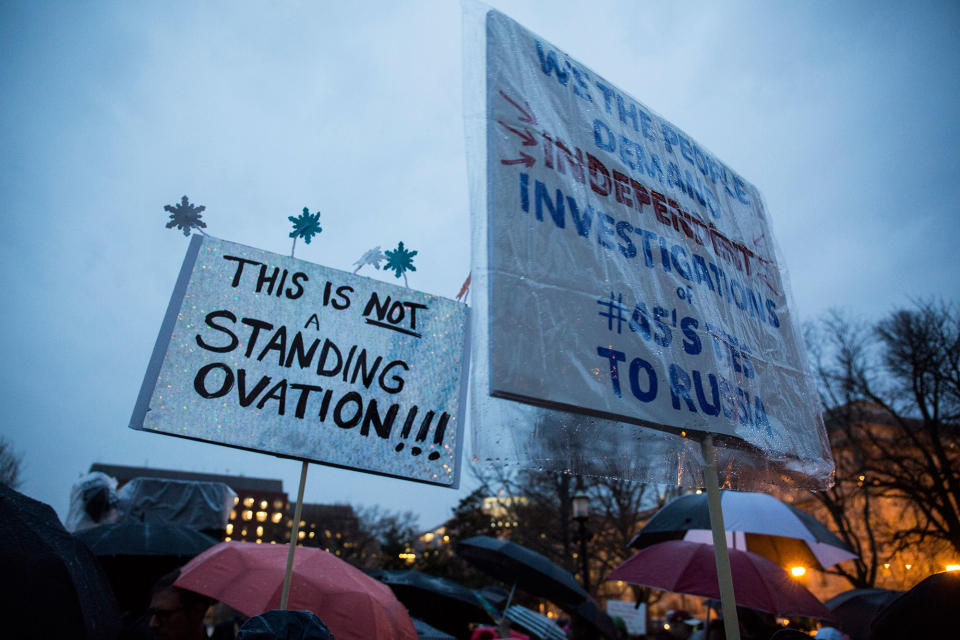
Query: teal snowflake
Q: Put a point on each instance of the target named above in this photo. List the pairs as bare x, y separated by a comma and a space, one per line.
305, 226
400, 260
185, 216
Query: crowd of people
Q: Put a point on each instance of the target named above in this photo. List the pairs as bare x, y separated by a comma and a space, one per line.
179, 614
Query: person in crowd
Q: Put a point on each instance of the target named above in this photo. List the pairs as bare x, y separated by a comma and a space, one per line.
228, 628
678, 624
756, 625
580, 629
713, 630
621, 626
830, 633
174, 613
790, 634
285, 625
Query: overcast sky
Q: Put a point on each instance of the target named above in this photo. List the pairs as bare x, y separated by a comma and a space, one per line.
844, 115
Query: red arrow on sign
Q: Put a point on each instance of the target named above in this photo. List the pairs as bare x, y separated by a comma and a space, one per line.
527, 116
523, 159
528, 139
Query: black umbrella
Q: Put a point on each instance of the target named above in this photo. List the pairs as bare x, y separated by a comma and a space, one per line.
494, 595
135, 554
928, 610
135, 538
754, 522
591, 613
854, 609
52, 585
426, 632
440, 602
526, 569
290, 625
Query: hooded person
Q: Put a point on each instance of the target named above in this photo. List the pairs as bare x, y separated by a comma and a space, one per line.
285, 625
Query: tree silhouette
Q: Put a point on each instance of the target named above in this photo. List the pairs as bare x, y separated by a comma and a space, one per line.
10, 465
892, 397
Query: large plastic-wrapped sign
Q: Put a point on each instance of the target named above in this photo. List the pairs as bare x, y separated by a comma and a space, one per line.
630, 275
269, 353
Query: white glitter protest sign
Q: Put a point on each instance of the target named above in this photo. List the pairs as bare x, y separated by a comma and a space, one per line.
269, 353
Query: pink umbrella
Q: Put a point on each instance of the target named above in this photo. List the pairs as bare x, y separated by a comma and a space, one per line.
689, 567
249, 578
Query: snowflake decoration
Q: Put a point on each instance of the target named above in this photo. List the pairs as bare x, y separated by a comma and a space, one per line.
400, 260
306, 225
185, 216
373, 257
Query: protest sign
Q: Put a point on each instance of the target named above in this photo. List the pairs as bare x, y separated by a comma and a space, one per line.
268, 353
631, 274
634, 615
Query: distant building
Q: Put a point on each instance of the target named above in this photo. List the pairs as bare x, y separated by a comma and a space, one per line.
900, 567
260, 508
502, 510
435, 541
332, 527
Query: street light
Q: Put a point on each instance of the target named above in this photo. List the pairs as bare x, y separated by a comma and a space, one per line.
581, 512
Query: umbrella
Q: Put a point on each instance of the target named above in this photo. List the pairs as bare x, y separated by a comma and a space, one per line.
135, 554
52, 585
522, 567
289, 625
426, 632
591, 613
442, 603
762, 523
854, 609
249, 578
493, 595
689, 567
135, 538
927, 610
538, 625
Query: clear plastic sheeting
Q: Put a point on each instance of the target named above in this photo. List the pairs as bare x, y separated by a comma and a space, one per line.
199, 505
629, 296
93, 501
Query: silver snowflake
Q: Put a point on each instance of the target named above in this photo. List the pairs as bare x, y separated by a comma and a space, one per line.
372, 257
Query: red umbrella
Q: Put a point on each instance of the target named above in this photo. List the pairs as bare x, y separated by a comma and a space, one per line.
689, 567
249, 578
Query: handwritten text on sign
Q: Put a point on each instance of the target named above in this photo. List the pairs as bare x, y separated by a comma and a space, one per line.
633, 275
279, 355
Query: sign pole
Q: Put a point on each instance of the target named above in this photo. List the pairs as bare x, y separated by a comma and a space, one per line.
724, 576
293, 537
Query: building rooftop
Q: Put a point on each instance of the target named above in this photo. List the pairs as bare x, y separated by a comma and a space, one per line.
238, 483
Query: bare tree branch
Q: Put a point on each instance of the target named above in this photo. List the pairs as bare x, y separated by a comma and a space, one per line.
892, 393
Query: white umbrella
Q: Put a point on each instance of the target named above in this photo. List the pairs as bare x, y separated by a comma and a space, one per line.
754, 522
532, 621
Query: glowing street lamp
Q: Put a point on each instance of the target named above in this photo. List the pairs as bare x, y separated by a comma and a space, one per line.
581, 512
